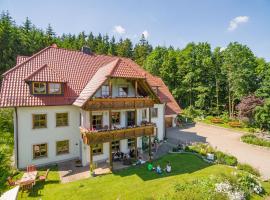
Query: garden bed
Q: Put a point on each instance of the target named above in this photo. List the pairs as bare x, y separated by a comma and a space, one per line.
255, 140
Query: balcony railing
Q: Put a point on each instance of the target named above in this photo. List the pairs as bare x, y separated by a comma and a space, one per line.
119, 103
102, 136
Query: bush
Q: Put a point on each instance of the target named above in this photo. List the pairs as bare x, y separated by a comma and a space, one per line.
225, 159
248, 168
201, 148
253, 139
6, 120
225, 116
191, 112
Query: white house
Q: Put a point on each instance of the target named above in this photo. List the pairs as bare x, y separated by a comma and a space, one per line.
70, 104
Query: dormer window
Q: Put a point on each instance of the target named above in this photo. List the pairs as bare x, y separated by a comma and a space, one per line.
54, 88
45, 88
39, 88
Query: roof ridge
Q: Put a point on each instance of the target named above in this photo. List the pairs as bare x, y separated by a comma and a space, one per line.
28, 59
114, 67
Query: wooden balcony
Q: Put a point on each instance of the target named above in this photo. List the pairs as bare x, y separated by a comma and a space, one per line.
118, 103
102, 136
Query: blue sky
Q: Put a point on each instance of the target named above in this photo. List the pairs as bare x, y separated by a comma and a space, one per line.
164, 22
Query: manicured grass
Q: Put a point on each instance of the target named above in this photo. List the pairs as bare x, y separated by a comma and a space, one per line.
132, 183
253, 139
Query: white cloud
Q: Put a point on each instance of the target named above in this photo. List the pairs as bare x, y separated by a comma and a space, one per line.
119, 29
222, 49
234, 23
146, 34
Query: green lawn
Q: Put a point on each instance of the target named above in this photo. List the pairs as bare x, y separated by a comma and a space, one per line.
132, 183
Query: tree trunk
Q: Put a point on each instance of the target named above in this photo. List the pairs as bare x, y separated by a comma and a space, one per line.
217, 93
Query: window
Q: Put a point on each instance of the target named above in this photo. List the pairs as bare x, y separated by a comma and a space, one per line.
39, 88
131, 142
115, 145
40, 151
61, 119
105, 90
131, 118
97, 121
62, 147
115, 117
54, 88
154, 112
97, 149
39, 121
123, 91
144, 113
155, 89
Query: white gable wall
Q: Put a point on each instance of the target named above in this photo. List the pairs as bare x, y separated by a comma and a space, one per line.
27, 136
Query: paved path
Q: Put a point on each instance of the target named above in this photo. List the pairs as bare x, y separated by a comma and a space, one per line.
226, 141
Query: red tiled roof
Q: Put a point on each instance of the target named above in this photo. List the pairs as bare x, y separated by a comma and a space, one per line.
96, 81
81, 72
21, 59
45, 73
124, 70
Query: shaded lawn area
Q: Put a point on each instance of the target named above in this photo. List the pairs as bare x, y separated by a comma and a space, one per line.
132, 183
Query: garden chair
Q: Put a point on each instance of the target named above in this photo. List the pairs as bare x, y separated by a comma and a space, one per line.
27, 186
43, 178
11, 182
31, 168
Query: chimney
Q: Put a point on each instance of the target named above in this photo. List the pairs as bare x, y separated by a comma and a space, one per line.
86, 50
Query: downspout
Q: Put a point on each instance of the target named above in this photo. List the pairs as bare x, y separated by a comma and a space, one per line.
16, 144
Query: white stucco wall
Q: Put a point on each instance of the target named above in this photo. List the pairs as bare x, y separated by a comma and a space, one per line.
28, 137
159, 120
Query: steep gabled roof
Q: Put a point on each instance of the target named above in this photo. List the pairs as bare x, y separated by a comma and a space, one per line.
124, 70
96, 81
82, 73
45, 74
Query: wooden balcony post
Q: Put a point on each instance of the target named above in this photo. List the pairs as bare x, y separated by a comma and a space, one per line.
110, 87
149, 114
110, 156
136, 117
91, 158
90, 119
150, 148
136, 148
136, 88
110, 119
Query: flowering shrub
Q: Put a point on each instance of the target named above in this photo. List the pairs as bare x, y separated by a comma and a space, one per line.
249, 183
232, 192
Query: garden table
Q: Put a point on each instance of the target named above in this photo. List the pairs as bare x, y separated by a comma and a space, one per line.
29, 176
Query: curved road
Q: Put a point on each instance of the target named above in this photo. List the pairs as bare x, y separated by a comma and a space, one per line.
224, 140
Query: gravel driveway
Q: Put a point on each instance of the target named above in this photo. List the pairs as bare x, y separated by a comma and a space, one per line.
227, 141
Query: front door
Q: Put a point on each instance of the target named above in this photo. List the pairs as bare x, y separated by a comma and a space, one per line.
130, 118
